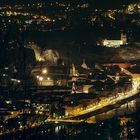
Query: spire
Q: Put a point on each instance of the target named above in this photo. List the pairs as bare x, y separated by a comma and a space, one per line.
73, 69
124, 37
84, 65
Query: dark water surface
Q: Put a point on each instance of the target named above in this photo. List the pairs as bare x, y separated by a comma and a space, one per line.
117, 128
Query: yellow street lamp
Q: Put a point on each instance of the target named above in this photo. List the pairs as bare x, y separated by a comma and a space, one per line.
40, 78
44, 71
37, 76
48, 78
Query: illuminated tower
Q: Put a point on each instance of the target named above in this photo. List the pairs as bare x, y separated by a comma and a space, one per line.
84, 65
124, 38
73, 70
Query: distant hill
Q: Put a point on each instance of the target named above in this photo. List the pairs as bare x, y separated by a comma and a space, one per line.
94, 3
129, 53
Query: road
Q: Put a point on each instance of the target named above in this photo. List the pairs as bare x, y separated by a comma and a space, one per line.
103, 106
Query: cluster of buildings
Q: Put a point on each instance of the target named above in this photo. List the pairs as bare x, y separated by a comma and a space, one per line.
81, 79
133, 8
115, 43
59, 15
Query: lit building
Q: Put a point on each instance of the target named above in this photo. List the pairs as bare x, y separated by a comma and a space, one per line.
139, 8
115, 43
50, 75
112, 43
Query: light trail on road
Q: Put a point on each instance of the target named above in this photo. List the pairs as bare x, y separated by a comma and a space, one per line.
109, 101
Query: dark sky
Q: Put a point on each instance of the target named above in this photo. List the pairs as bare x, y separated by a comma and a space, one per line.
94, 3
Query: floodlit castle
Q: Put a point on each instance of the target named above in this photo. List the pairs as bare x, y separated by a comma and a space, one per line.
115, 43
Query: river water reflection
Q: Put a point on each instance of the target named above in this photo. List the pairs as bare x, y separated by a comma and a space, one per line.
122, 123
117, 128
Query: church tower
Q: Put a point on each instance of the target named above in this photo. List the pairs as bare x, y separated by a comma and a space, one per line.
84, 65
124, 38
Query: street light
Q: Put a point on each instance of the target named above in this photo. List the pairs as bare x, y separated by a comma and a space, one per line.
37, 76
44, 71
40, 78
48, 78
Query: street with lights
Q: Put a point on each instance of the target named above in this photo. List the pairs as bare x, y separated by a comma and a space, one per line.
81, 115
70, 69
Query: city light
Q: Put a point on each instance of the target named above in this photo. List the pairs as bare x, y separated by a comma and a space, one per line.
41, 78
44, 71
64, 64
37, 76
48, 78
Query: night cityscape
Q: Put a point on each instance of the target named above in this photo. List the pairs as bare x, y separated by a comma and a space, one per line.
70, 69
